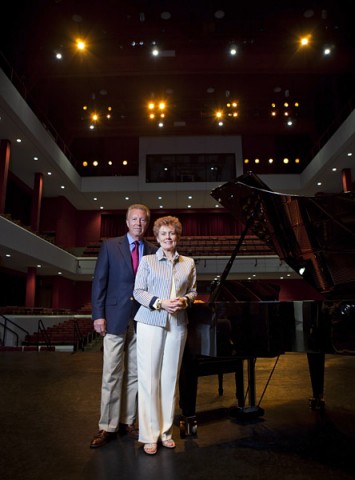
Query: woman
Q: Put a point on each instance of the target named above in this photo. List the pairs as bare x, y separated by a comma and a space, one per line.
165, 287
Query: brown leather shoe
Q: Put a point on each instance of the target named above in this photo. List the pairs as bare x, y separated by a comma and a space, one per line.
130, 430
101, 438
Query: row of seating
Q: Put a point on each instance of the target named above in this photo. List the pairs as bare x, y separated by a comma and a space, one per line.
23, 310
27, 348
77, 332
197, 246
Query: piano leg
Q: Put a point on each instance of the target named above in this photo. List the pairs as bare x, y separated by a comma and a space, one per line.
188, 382
316, 363
188, 394
241, 412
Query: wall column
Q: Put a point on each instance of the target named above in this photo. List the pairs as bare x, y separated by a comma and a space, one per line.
346, 179
31, 287
36, 201
5, 150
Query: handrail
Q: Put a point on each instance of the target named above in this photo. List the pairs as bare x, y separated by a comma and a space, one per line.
7, 328
10, 330
42, 330
78, 337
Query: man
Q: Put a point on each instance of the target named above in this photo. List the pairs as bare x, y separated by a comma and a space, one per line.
113, 310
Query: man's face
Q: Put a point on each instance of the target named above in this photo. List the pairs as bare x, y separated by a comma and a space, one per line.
137, 223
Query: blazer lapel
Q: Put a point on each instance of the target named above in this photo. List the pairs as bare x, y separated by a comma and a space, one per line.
123, 245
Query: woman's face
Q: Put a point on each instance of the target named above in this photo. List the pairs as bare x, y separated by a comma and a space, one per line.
167, 238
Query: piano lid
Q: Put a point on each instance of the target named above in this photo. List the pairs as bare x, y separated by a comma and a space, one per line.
316, 234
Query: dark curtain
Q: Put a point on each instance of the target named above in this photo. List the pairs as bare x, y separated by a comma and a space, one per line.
193, 224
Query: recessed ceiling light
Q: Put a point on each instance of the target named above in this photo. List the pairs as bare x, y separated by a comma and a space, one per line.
219, 14
165, 15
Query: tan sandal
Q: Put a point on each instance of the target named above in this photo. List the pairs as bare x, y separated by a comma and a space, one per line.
168, 443
150, 448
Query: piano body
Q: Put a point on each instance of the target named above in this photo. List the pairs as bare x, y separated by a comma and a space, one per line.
316, 237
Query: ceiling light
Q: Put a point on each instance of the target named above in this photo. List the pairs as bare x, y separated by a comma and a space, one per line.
80, 44
155, 52
219, 14
233, 49
165, 15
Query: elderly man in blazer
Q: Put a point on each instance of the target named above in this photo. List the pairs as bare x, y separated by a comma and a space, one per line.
113, 310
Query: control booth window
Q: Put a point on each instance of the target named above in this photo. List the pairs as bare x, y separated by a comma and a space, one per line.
190, 168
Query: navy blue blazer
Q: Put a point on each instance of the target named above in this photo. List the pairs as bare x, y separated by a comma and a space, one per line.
113, 283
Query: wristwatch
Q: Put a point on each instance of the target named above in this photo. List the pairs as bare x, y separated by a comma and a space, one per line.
158, 304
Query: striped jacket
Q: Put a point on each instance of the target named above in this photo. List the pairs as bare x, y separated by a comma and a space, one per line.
154, 280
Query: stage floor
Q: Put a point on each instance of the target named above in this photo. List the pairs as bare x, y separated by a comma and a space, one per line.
49, 406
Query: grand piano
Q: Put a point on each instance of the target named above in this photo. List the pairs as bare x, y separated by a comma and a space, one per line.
315, 236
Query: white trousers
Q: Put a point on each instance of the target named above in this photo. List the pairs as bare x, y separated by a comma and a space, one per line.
159, 355
119, 380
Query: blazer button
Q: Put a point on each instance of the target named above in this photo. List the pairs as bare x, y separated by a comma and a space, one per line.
132, 298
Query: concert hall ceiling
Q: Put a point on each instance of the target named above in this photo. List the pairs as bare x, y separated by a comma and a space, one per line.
283, 97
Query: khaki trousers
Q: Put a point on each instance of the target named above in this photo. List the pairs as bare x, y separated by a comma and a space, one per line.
119, 380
